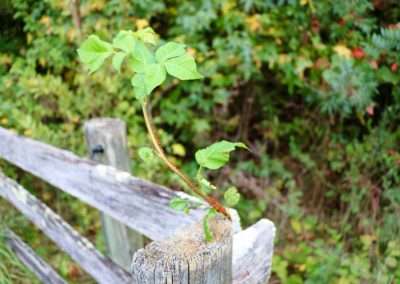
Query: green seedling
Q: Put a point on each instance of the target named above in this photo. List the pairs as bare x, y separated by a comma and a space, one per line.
150, 63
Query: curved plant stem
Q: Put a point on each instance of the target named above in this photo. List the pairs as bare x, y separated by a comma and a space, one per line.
187, 180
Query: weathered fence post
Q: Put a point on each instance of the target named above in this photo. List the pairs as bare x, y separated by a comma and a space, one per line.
106, 141
187, 258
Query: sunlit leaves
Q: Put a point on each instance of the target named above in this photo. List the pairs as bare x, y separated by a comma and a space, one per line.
154, 75
141, 57
216, 155
147, 35
125, 41
150, 67
139, 88
169, 50
117, 60
183, 67
93, 52
231, 196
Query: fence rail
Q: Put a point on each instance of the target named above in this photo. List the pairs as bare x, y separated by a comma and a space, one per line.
137, 203
37, 265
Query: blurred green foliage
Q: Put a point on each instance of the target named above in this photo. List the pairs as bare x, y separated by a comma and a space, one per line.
312, 87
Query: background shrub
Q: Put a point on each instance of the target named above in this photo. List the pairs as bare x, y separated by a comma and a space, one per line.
311, 86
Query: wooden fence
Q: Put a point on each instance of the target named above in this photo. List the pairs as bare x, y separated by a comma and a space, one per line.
133, 210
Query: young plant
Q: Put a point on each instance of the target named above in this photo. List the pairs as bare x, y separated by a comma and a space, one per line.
150, 63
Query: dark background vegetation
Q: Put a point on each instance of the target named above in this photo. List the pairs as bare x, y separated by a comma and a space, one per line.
311, 86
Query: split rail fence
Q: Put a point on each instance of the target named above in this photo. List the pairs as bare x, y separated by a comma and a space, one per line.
133, 210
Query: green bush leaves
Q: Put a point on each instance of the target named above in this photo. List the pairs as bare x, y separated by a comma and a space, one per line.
94, 52
216, 155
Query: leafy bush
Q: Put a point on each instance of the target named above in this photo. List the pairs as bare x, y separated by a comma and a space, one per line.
312, 87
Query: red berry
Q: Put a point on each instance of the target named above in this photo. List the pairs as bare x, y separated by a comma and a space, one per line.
370, 109
358, 53
315, 25
341, 22
394, 67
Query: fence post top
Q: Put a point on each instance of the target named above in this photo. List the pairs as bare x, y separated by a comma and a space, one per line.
188, 256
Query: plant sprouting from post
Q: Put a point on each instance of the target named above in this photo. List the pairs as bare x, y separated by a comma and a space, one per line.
150, 64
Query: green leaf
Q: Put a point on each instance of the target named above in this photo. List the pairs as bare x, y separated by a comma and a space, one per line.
146, 154
125, 41
117, 60
93, 52
139, 88
183, 67
169, 50
179, 204
386, 75
141, 57
147, 35
232, 196
208, 235
206, 186
216, 155
154, 75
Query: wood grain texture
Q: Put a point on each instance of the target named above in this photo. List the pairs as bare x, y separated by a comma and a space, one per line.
101, 268
187, 258
252, 253
109, 135
27, 256
140, 204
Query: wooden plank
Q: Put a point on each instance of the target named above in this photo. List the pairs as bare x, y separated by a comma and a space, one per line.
135, 202
140, 204
252, 253
101, 268
187, 258
106, 142
27, 256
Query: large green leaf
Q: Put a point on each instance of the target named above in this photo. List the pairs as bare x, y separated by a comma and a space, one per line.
139, 88
93, 52
216, 155
169, 50
147, 35
154, 75
117, 60
141, 57
125, 41
183, 67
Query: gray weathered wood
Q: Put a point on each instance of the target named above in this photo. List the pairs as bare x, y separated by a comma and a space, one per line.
187, 258
80, 249
252, 253
109, 135
27, 256
135, 202
140, 204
